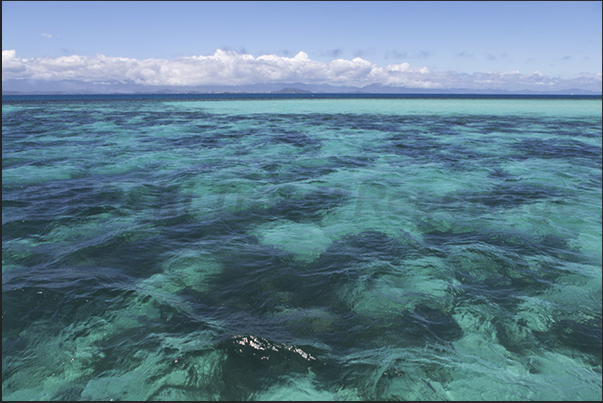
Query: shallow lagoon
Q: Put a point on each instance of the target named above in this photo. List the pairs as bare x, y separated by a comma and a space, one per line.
295, 248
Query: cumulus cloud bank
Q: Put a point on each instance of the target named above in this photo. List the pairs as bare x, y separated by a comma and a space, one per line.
226, 67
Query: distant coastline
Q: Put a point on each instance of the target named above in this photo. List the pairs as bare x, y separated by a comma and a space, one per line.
304, 92
74, 87
14, 96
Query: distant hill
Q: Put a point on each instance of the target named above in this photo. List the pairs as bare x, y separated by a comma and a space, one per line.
14, 87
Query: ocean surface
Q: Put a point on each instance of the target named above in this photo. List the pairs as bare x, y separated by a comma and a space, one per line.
228, 247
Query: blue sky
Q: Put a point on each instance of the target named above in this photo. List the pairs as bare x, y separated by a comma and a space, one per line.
445, 41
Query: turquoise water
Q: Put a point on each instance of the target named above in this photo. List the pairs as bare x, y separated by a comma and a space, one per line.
296, 248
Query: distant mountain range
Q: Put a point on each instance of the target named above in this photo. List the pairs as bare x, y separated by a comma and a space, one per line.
16, 87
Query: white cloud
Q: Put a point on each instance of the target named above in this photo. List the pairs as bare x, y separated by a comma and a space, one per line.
47, 35
12, 64
227, 67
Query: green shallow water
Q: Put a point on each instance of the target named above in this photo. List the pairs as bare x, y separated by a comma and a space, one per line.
301, 249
